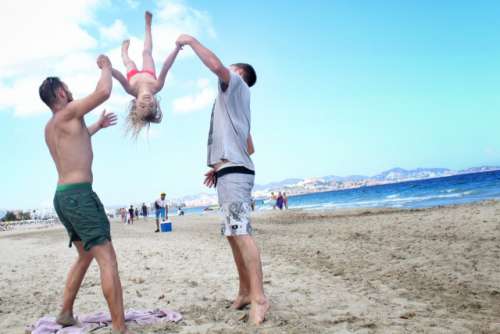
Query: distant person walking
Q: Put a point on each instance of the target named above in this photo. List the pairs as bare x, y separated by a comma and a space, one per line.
279, 201
285, 200
136, 213
123, 214
180, 212
273, 200
131, 215
161, 209
144, 211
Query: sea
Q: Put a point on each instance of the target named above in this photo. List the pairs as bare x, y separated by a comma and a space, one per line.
450, 190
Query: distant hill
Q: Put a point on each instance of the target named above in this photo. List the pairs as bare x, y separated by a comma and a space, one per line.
419, 173
392, 175
276, 185
335, 178
479, 169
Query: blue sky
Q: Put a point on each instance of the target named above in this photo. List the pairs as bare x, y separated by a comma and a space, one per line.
344, 87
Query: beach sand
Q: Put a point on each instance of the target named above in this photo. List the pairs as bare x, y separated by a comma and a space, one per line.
359, 271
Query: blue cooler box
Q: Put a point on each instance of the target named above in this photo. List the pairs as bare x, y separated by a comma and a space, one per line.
166, 227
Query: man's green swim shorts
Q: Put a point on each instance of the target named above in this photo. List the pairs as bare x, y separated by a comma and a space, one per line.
82, 214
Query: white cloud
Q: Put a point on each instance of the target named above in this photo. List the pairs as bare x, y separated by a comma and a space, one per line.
133, 4
15, 97
42, 38
32, 31
173, 18
201, 100
116, 32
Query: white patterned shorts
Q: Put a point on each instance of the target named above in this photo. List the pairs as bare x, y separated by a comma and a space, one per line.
235, 198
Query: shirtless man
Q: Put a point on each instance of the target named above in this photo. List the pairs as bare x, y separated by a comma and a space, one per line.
78, 207
232, 171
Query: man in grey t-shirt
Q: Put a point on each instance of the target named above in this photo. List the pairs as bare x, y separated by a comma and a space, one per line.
229, 148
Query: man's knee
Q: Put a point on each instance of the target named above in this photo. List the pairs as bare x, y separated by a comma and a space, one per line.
241, 241
85, 258
104, 253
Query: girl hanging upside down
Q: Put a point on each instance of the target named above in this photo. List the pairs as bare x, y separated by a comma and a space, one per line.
143, 84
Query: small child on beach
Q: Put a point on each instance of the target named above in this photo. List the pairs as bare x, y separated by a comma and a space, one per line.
143, 84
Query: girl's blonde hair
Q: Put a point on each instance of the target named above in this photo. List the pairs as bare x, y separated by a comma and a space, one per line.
136, 122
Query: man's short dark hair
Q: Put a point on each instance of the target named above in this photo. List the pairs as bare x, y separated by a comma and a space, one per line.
250, 76
48, 90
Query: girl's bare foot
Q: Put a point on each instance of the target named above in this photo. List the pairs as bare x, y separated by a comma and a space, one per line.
240, 302
66, 319
125, 45
148, 16
258, 311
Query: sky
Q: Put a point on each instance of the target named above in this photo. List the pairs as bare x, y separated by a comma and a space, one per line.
344, 87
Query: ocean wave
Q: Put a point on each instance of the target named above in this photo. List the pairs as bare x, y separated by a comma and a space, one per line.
311, 206
390, 201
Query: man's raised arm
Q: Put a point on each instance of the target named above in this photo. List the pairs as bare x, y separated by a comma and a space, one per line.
207, 57
101, 92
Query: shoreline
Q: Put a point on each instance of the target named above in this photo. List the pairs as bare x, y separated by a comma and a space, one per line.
309, 214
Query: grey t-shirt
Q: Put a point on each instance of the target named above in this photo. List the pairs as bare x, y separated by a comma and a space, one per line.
230, 125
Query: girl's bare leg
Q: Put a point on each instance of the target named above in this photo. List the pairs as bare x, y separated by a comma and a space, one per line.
129, 63
147, 53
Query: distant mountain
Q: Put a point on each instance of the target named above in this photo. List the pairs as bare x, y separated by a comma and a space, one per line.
419, 173
335, 178
479, 169
276, 185
392, 175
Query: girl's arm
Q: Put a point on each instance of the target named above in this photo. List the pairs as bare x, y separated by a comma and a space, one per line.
166, 67
121, 79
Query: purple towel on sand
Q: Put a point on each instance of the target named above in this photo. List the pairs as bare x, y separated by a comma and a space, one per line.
87, 323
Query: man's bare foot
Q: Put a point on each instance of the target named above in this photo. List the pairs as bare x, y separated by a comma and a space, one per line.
240, 302
66, 319
148, 16
258, 311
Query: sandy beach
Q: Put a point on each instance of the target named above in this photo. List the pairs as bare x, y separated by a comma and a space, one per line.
355, 271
